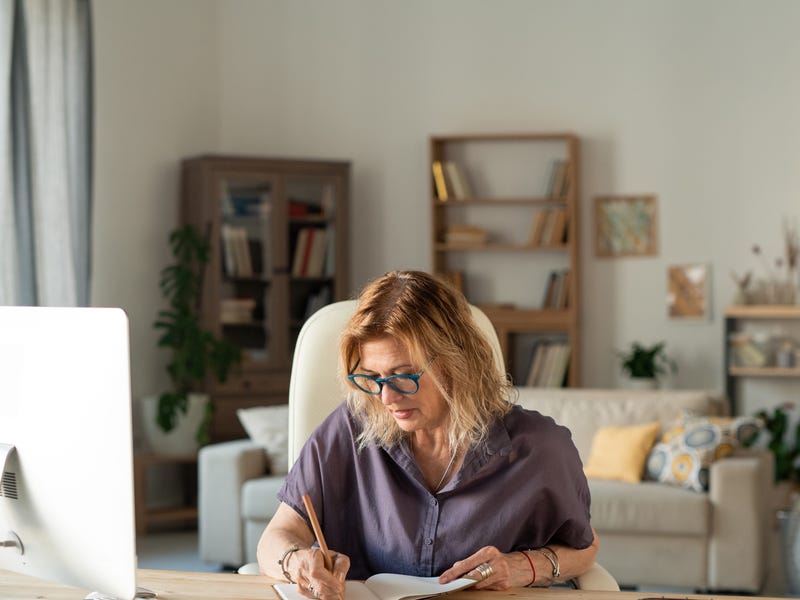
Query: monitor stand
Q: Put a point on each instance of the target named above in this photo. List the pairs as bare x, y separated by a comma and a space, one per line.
141, 592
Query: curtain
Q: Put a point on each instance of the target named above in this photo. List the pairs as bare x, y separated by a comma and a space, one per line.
50, 149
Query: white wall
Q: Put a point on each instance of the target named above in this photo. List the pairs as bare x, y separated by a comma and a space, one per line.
697, 102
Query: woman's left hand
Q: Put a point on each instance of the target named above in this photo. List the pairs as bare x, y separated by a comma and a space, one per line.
492, 569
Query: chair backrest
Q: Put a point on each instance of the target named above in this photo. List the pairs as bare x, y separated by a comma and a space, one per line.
314, 388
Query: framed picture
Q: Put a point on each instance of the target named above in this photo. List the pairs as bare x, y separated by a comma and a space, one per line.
625, 226
688, 291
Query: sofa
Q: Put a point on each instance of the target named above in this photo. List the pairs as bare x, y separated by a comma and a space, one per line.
651, 533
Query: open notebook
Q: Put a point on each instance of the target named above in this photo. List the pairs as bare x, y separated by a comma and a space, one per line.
386, 586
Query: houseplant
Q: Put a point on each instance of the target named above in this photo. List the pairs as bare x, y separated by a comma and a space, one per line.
195, 351
645, 364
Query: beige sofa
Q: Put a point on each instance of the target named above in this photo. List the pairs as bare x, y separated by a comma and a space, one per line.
651, 534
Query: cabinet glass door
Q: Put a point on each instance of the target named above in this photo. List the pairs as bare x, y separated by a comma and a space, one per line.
311, 244
248, 262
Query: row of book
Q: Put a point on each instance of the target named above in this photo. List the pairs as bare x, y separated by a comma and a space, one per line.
557, 290
549, 364
450, 181
559, 180
313, 252
549, 227
241, 256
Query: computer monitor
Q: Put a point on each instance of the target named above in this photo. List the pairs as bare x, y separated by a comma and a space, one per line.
66, 499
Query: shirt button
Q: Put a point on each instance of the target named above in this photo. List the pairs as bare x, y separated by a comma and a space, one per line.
428, 541
434, 502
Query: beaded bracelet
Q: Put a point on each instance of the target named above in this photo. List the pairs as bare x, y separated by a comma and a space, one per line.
282, 562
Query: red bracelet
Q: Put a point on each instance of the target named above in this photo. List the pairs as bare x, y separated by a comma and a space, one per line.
533, 569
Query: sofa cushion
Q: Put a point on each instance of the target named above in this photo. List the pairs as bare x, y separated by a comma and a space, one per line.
688, 448
268, 426
583, 411
619, 453
648, 508
260, 498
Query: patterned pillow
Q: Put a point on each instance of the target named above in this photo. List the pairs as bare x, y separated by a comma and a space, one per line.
687, 449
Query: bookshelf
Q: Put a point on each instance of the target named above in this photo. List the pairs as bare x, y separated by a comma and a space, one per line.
506, 227
278, 230
754, 338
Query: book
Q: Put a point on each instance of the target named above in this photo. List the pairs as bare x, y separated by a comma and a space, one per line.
559, 227
537, 227
300, 251
439, 181
466, 234
386, 586
559, 176
316, 256
459, 184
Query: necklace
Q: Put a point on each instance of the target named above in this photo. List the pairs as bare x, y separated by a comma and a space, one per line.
446, 469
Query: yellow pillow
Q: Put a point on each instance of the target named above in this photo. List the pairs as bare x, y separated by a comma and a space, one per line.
619, 453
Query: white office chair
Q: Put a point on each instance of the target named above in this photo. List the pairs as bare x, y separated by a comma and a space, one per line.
314, 392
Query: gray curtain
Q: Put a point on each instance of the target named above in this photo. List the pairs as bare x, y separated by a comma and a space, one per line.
45, 218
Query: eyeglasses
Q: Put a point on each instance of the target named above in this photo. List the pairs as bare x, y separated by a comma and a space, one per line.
401, 383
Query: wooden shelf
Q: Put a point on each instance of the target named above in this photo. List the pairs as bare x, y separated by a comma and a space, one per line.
183, 513
766, 311
764, 372
505, 162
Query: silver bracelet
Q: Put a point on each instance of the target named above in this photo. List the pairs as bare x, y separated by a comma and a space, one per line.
552, 557
282, 562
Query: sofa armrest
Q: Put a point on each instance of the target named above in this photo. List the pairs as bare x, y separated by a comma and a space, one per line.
738, 488
222, 469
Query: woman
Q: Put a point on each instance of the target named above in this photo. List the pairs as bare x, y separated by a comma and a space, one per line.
428, 468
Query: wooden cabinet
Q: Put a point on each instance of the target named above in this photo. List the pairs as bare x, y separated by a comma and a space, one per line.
510, 223
278, 233
761, 342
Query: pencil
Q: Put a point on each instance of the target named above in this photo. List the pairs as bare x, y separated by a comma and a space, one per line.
312, 515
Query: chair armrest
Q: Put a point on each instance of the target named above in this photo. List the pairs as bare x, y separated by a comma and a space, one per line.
596, 578
738, 488
222, 469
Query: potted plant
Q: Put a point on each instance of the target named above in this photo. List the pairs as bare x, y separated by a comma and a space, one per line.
644, 364
195, 351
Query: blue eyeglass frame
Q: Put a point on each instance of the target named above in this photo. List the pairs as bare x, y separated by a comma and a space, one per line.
387, 380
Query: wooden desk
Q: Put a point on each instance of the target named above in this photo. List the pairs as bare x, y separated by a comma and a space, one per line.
184, 585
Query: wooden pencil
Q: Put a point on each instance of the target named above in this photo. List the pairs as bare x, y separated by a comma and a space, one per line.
312, 515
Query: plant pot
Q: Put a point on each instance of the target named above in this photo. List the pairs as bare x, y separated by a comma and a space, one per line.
641, 383
182, 439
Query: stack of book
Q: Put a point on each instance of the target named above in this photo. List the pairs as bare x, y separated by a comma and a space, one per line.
549, 364
235, 311
465, 234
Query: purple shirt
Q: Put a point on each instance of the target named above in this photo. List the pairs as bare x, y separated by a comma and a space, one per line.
523, 488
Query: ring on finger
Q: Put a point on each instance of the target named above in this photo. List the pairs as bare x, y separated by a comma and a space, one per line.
312, 590
485, 570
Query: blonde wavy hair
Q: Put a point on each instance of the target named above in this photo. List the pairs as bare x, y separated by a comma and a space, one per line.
433, 321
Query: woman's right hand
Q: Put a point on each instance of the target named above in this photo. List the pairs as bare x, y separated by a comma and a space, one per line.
313, 580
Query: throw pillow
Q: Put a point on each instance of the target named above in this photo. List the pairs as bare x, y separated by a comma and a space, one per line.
619, 453
268, 426
686, 450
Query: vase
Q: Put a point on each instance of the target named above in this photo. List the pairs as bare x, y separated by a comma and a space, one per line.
181, 440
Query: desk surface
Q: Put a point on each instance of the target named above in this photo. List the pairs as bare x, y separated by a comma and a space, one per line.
185, 585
